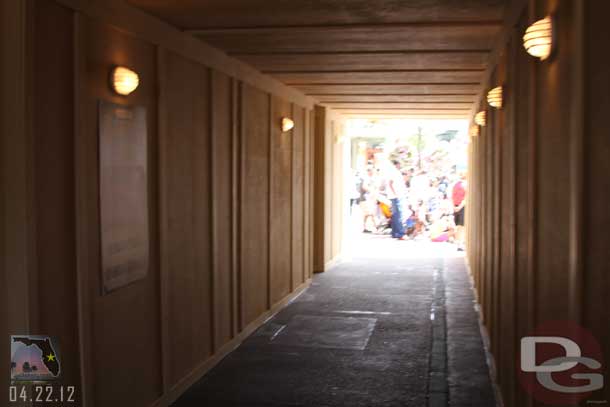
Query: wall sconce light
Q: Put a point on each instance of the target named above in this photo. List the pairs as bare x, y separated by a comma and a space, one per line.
539, 38
474, 131
481, 118
494, 97
287, 124
124, 80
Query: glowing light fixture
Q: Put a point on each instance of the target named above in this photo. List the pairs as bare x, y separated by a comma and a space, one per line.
481, 118
287, 124
474, 131
538, 38
494, 97
124, 80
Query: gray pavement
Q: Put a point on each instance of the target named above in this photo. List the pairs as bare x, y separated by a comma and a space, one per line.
394, 325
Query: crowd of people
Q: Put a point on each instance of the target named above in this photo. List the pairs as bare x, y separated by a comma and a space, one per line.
410, 203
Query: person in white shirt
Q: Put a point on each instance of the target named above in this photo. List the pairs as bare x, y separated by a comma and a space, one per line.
396, 192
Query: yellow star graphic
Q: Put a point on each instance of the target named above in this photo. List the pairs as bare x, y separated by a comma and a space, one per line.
51, 358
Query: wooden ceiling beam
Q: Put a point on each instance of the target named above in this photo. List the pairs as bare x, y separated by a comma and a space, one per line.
401, 109
395, 77
193, 14
282, 29
360, 53
355, 98
365, 61
401, 115
374, 71
355, 38
389, 89
401, 105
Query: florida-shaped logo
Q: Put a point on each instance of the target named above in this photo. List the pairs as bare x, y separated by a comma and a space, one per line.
34, 358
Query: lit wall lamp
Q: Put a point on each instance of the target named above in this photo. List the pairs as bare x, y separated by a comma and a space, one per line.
481, 118
539, 38
287, 124
124, 80
494, 97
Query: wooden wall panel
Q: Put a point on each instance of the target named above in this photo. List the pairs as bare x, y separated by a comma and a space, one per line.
596, 185
328, 188
527, 250
553, 172
298, 196
17, 262
124, 316
254, 211
212, 145
307, 169
222, 216
336, 189
311, 192
53, 134
188, 213
522, 124
507, 269
329, 192
280, 202
320, 195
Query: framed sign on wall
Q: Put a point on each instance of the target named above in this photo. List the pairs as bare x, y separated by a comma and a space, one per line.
123, 183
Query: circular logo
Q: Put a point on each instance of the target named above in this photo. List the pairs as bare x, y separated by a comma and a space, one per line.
560, 363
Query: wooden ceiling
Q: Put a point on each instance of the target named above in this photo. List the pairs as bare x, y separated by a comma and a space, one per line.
419, 58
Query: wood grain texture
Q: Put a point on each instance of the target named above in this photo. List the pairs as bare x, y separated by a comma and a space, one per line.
254, 211
396, 98
53, 135
281, 202
208, 140
318, 61
256, 13
399, 105
312, 191
222, 215
384, 89
385, 77
534, 167
319, 191
17, 254
123, 316
336, 188
324, 42
390, 110
524, 200
401, 115
188, 212
339, 38
154, 31
553, 131
298, 196
596, 187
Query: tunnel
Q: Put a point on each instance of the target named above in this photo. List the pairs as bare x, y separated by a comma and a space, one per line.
176, 231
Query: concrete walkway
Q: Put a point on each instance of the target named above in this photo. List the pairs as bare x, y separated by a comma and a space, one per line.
393, 326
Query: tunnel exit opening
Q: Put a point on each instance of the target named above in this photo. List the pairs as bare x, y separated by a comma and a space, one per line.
404, 187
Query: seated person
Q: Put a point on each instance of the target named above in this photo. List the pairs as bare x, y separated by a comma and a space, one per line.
442, 230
